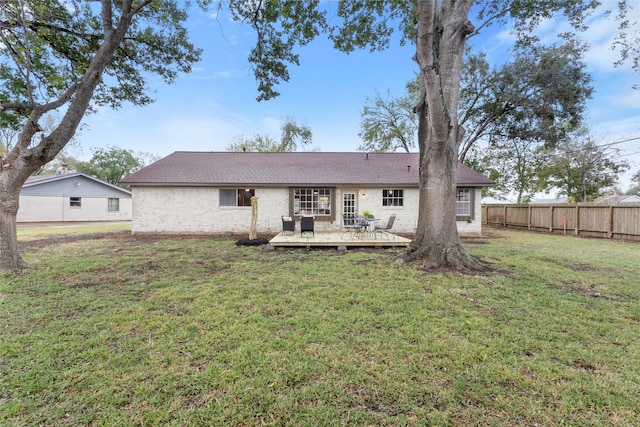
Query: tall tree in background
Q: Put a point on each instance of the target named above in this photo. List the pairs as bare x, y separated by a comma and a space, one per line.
68, 56
113, 163
292, 135
635, 189
390, 124
514, 111
581, 169
515, 168
536, 99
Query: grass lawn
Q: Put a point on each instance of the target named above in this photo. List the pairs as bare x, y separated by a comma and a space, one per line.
115, 330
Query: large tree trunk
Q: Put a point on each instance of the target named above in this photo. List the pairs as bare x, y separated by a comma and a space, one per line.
24, 158
9, 254
442, 31
436, 240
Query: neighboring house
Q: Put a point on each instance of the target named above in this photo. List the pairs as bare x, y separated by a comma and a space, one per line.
548, 201
614, 200
496, 201
72, 197
210, 192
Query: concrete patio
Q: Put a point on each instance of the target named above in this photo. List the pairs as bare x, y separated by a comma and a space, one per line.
337, 239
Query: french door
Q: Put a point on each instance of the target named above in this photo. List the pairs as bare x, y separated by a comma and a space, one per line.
349, 208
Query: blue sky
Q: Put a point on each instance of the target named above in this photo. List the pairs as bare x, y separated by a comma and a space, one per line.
207, 109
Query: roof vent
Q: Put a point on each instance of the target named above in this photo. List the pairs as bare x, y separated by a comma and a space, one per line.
367, 156
408, 168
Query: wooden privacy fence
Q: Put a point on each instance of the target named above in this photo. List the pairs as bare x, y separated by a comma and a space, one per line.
621, 221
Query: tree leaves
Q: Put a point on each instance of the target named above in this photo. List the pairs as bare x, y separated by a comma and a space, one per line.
46, 48
112, 164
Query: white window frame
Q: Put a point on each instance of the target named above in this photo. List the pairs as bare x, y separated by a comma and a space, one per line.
313, 201
464, 203
75, 202
393, 197
113, 204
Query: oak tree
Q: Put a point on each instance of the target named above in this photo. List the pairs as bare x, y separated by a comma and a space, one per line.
292, 135
111, 164
70, 57
440, 31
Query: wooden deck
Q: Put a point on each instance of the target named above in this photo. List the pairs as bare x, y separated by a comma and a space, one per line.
337, 239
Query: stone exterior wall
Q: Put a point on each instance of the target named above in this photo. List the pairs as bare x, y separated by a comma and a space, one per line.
197, 210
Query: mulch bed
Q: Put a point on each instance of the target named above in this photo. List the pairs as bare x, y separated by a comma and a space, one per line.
254, 242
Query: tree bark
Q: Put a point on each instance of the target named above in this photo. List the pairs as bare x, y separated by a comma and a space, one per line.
442, 31
9, 253
24, 159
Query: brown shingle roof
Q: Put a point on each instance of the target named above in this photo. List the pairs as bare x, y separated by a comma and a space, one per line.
286, 169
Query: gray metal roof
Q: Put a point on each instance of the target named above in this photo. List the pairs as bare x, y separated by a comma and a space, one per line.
286, 169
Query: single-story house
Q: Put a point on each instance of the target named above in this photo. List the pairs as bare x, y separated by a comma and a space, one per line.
617, 199
72, 196
210, 192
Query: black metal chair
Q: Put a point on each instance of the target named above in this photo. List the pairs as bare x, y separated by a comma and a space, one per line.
355, 226
350, 225
306, 225
288, 224
383, 229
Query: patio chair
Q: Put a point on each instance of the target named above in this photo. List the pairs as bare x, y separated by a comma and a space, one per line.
383, 229
306, 225
350, 225
288, 224
356, 226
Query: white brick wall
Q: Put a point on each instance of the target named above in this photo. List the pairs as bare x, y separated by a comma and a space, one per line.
475, 227
197, 210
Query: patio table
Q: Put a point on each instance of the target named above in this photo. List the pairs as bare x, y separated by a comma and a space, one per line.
368, 228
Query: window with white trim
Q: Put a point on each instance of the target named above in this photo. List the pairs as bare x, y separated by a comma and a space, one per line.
463, 202
312, 201
236, 196
113, 204
392, 197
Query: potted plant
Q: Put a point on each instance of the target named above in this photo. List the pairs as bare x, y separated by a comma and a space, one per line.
367, 214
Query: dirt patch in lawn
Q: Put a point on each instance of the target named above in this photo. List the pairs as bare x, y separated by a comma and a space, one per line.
55, 240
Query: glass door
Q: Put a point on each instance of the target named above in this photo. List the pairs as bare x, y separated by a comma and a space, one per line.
349, 208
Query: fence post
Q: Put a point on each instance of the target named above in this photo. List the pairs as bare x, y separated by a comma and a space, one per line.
603, 221
504, 217
610, 228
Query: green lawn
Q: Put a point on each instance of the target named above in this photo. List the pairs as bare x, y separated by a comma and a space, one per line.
126, 331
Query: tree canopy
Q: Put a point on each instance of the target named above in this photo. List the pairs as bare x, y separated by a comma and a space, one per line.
581, 168
390, 124
539, 96
71, 57
111, 164
292, 135
511, 113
